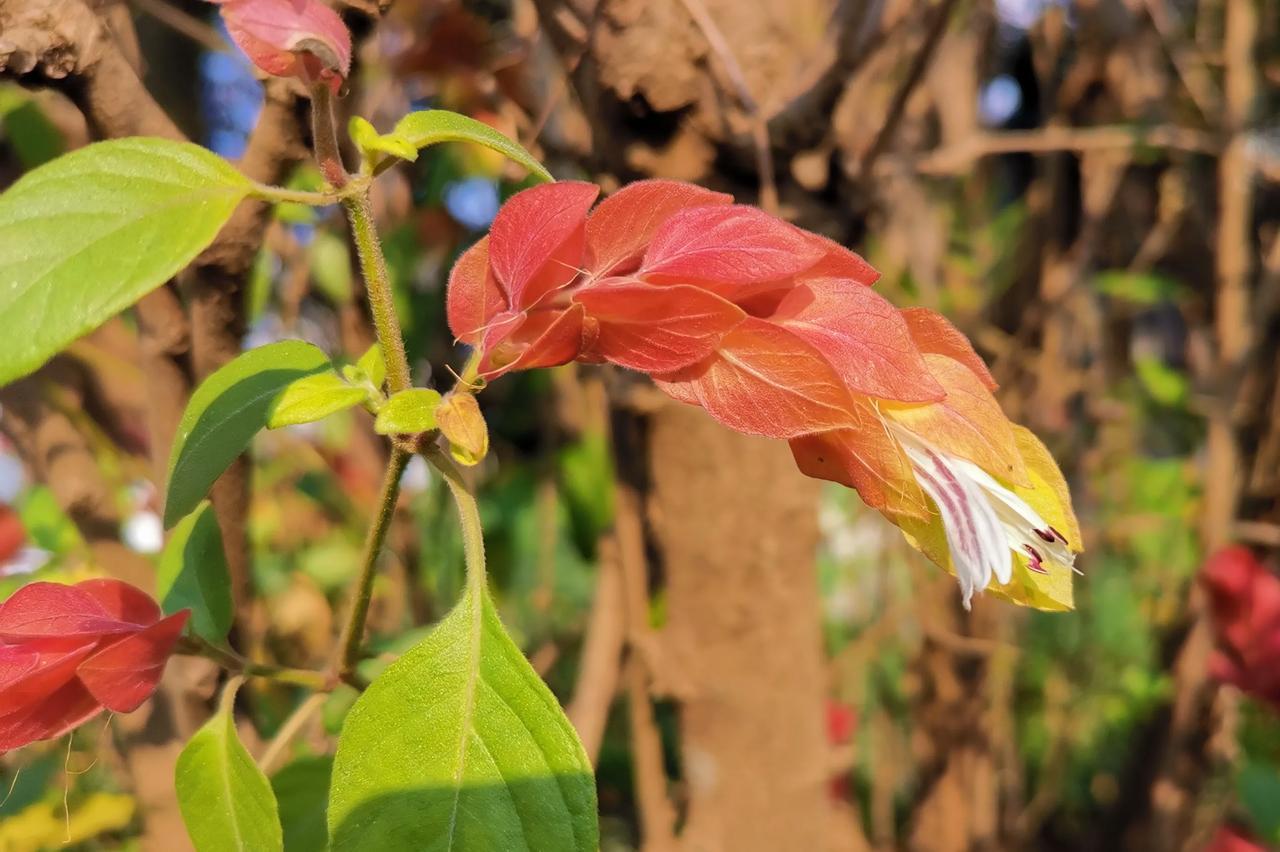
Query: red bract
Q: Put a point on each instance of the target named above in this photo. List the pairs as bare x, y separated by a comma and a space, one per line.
775, 331
1244, 599
68, 652
291, 38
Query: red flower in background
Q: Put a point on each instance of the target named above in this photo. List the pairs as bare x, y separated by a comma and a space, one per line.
291, 38
1230, 839
12, 533
775, 331
68, 652
1244, 599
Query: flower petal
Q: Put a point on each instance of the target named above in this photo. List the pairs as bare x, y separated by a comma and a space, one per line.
968, 423
657, 329
975, 539
123, 601
56, 614
867, 459
764, 380
619, 230
473, 297
45, 700
932, 332
536, 241
291, 38
863, 337
124, 674
543, 339
731, 245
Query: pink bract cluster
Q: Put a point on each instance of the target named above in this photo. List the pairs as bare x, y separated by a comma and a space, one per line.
69, 652
776, 331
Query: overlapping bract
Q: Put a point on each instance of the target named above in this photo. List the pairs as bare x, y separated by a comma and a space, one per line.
1244, 599
775, 331
69, 652
291, 38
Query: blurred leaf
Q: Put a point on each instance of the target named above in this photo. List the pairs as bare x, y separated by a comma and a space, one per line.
586, 479
460, 745
258, 291
331, 266
193, 574
313, 397
225, 412
430, 127
1140, 288
27, 129
47, 525
73, 257
226, 801
302, 792
1258, 786
45, 825
1166, 385
408, 412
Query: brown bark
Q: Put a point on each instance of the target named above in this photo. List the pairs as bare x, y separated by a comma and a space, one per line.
957, 809
1198, 705
736, 529
599, 667
215, 289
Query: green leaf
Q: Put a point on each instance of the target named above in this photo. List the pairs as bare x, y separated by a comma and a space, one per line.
312, 397
1140, 288
432, 126
408, 413
374, 366
88, 234
193, 574
331, 267
225, 799
224, 414
302, 791
459, 745
372, 143
1166, 385
1258, 788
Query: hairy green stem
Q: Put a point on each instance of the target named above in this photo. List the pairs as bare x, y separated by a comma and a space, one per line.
377, 282
353, 631
279, 194
468, 518
233, 662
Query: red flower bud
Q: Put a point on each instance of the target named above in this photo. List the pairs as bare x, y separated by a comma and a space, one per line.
69, 652
291, 38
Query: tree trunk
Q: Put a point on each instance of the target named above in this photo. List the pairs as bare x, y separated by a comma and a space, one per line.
736, 530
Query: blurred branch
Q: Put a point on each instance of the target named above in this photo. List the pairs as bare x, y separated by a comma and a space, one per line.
1187, 761
805, 119
276, 753
959, 158
184, 24
1186, 61
897, 107
759, 128
600, 663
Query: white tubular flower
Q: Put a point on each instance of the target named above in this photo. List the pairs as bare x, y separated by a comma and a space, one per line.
982, 519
